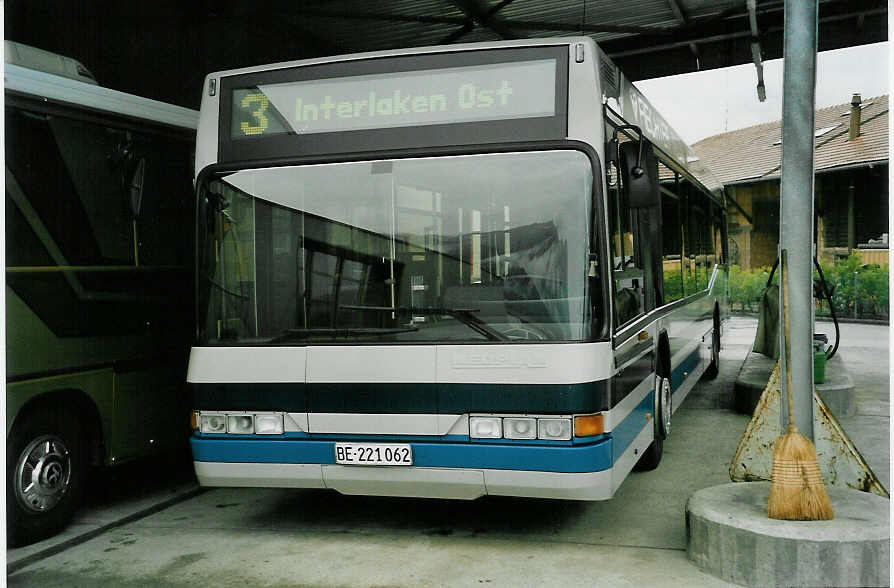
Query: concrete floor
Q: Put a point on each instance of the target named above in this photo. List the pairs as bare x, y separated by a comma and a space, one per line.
252, 537
865, 351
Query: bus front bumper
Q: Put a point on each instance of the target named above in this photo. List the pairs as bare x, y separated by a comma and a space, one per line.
441, 470
420, 482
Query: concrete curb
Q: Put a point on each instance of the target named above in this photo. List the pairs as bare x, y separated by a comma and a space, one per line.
837, 391
730, 536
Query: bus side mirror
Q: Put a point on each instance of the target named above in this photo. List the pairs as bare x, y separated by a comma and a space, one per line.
135, 187
639, 170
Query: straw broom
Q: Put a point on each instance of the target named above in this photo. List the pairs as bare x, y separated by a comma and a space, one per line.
797, 492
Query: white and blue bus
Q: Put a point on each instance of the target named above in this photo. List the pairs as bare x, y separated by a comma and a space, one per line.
457, 271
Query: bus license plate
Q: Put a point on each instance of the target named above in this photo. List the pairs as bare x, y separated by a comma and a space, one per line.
393, 454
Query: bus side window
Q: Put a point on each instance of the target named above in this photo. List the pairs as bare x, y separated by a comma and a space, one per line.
68, 197
671, 236
701, 239
75, 190
690, 238
717, 233
166, 205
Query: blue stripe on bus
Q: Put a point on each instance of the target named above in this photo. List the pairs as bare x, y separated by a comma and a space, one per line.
688, 365
337, 436
582, 458
372, 438
632, 425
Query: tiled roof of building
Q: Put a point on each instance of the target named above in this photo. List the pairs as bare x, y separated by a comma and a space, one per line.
755, 153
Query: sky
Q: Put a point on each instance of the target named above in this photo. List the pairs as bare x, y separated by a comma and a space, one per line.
706, 103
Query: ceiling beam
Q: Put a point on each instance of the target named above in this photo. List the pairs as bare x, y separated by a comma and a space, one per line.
384, 16
469, 25
678, 12
681, 19
836, 32
479, 12
459, 33
734, 28
462, 20
633, 30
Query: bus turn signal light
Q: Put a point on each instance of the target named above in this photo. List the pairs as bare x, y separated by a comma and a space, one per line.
589, 425
194, 421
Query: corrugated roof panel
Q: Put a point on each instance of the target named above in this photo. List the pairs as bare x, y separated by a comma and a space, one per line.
701, 8
573, 11
478, 35
347, 22
360, 25
416, 7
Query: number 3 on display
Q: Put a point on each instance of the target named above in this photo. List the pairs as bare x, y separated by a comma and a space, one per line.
262, 103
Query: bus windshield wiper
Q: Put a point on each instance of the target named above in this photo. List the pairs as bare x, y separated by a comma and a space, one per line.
464, 315
301, 334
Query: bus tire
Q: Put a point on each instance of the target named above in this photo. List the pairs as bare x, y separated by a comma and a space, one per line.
46, 461
663, 407
714, 366
651, 457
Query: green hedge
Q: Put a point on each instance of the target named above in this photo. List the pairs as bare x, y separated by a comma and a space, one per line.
865, 286
746, 287
675, 286
871, 296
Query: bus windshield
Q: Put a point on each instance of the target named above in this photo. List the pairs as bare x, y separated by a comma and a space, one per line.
437, 249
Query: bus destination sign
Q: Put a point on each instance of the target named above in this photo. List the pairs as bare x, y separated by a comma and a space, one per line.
475, 93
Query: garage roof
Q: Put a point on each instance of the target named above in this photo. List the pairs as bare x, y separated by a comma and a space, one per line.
162, 49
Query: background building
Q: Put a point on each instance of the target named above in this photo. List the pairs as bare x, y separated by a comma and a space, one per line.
851, 188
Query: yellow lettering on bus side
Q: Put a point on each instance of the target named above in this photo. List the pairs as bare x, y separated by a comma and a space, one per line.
263, 104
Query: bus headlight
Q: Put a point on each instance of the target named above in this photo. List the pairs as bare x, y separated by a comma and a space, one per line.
485, 427
241, 424
268, 424
213, 423
519, 428
554, 429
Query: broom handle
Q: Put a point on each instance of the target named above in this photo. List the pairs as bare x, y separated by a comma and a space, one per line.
788, 347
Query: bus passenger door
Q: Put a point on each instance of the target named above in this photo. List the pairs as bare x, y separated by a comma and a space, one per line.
635, 249
633, 285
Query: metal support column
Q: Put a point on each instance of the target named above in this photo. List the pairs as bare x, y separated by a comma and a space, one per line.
796, 199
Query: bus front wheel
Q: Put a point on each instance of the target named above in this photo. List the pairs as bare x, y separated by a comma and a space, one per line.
651, 457
46, 466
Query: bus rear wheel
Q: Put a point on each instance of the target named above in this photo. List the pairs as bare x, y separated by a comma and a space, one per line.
714, 367
46, 466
